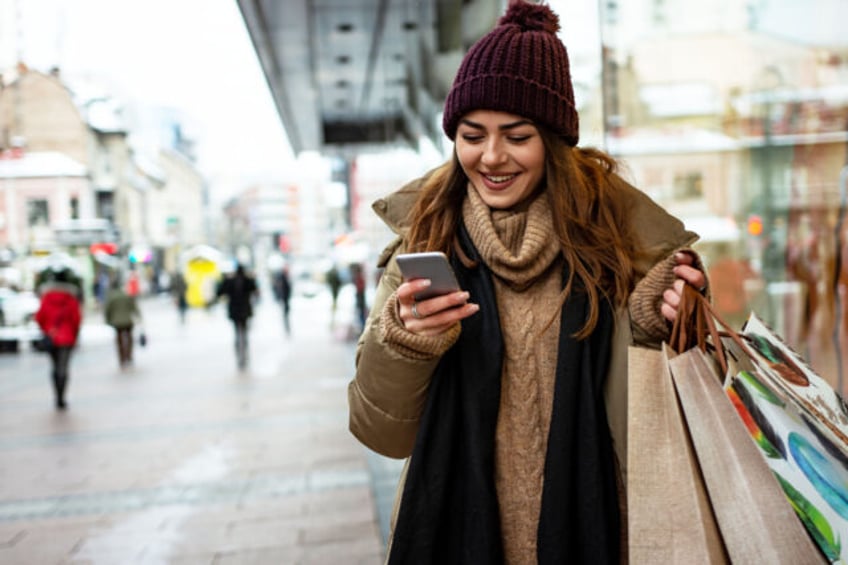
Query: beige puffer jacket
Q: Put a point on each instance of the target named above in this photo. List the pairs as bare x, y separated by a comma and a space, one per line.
388, 393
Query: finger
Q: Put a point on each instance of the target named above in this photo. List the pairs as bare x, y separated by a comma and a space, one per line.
443, 320
668, 312
685, 271
691, 275
671, 297
407, 314
406, 291
429, 309
684, 258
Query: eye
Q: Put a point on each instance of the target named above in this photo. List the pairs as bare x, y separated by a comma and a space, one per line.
519, 138
471, 137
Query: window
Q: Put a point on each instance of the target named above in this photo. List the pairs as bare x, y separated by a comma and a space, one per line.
38, 213
105, 207
688, 186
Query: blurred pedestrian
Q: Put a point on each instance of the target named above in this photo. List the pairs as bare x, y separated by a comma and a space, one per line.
59, 316
334, 281
101, 286
282, 292
178, 291
241, 290
133, 283
508, 396
121, 312
357, 273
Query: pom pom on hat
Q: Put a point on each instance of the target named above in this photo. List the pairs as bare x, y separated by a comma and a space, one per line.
520, 67
531, 17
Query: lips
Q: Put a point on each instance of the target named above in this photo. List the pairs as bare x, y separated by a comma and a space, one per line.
498, 182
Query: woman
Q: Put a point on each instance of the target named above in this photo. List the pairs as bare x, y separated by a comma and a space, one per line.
59, 316
508, 396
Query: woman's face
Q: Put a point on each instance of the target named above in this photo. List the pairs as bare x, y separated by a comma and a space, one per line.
502, 155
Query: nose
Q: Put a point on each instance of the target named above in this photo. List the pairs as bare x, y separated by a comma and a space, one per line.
493, 153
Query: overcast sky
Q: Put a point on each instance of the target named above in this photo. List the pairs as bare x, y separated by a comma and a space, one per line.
191, 55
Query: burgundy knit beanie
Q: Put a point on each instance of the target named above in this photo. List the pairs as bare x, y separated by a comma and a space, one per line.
520, 67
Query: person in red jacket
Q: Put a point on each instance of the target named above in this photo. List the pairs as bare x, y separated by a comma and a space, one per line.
59, 316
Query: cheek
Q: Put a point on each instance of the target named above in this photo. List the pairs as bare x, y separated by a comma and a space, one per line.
536, 163
467, 157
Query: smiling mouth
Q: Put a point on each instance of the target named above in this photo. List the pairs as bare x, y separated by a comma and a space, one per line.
499, 178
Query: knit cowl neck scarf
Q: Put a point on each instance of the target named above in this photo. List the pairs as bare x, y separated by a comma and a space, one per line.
517, 245
449, 508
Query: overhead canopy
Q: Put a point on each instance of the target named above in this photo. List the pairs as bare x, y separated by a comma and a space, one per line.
358, 75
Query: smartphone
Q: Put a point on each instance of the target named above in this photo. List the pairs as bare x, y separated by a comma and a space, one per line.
431, 265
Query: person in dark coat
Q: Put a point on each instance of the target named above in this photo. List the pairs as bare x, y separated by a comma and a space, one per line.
240, 290
59, 316
178, 289
121, 312
282, 292
334, 281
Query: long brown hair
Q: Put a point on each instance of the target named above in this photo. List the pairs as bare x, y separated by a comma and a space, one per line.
588, 220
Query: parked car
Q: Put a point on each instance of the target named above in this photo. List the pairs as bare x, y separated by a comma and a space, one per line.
17, 319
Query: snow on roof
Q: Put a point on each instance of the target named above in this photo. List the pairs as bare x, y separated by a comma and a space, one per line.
100, 110
40, 164
683, 99
663, 142
105, 115
833, 95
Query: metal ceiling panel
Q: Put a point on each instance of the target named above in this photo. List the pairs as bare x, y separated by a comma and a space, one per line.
359, 74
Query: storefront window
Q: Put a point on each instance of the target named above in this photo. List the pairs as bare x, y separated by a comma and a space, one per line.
733, 115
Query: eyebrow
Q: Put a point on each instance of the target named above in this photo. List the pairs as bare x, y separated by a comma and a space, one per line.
501, 127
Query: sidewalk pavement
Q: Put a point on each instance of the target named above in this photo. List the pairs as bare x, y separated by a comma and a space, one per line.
184, 459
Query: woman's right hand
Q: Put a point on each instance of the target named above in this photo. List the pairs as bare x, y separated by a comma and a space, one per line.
433, 316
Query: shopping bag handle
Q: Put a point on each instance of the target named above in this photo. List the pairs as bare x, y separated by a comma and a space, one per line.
697, 321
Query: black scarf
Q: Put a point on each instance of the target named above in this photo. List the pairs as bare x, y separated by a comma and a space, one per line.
449, 507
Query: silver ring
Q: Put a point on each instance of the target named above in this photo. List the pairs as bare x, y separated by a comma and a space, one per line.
415, 313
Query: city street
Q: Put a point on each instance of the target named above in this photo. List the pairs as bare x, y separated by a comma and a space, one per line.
184, 459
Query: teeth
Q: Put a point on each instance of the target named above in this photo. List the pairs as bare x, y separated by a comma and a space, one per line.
502, 178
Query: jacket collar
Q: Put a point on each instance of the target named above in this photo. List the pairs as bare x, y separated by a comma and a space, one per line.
54, 286
654, 228
394, 208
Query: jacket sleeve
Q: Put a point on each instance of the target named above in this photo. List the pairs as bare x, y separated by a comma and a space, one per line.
41, 316
76, 317
393, 371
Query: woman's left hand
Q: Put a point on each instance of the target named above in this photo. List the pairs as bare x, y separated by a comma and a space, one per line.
686, 274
